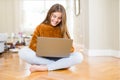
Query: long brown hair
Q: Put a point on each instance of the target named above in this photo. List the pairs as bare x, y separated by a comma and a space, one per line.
62, 24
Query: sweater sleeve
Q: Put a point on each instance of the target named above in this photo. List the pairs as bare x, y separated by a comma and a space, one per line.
67, 35
33, 42
72, 49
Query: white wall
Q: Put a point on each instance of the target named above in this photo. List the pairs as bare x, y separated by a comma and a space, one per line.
119, 25
101, 22
81, 25
103, 28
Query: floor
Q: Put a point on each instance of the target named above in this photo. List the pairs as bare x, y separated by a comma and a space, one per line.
92, 68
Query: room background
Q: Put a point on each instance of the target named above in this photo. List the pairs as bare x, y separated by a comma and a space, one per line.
96, 30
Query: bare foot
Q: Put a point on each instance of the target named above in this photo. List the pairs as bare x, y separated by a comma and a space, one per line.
34, 68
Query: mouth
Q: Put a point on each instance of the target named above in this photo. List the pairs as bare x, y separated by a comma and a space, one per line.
54, 23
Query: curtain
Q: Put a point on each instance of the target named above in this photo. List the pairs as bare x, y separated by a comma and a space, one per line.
24, 15
10, 14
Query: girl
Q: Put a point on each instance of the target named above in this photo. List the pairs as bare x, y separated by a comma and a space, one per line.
54, 25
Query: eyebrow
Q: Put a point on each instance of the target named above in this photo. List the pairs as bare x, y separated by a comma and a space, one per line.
55, 15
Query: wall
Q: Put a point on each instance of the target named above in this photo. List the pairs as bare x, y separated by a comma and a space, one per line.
103, 26
81, 25
119, 25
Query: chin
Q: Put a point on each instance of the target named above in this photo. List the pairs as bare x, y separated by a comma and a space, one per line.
54, 24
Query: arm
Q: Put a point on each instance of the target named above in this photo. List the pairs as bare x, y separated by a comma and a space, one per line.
67, 35
34, 38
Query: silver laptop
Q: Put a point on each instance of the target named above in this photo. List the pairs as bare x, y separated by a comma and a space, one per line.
53, 47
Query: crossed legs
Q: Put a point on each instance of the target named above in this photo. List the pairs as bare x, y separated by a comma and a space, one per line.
44, 64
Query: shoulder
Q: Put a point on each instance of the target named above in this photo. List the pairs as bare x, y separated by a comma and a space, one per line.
42, 25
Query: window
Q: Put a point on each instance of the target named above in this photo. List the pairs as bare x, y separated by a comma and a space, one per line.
35, 11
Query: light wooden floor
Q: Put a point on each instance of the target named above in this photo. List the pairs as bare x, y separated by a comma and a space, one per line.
92, 68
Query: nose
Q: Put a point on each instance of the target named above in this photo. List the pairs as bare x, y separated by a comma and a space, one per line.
56, 19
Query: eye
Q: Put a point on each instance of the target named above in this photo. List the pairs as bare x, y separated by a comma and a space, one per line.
54, 16
59, 17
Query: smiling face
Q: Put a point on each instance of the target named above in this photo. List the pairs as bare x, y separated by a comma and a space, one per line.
56, 18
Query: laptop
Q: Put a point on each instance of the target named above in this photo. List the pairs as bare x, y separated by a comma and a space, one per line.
53, 47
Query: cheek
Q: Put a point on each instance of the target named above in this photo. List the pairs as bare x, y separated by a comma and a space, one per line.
51, 18
59, 21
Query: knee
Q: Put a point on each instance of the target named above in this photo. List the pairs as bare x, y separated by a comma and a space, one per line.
78, 57
22, 53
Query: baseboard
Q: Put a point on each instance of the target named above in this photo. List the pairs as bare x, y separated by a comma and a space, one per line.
113, 53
